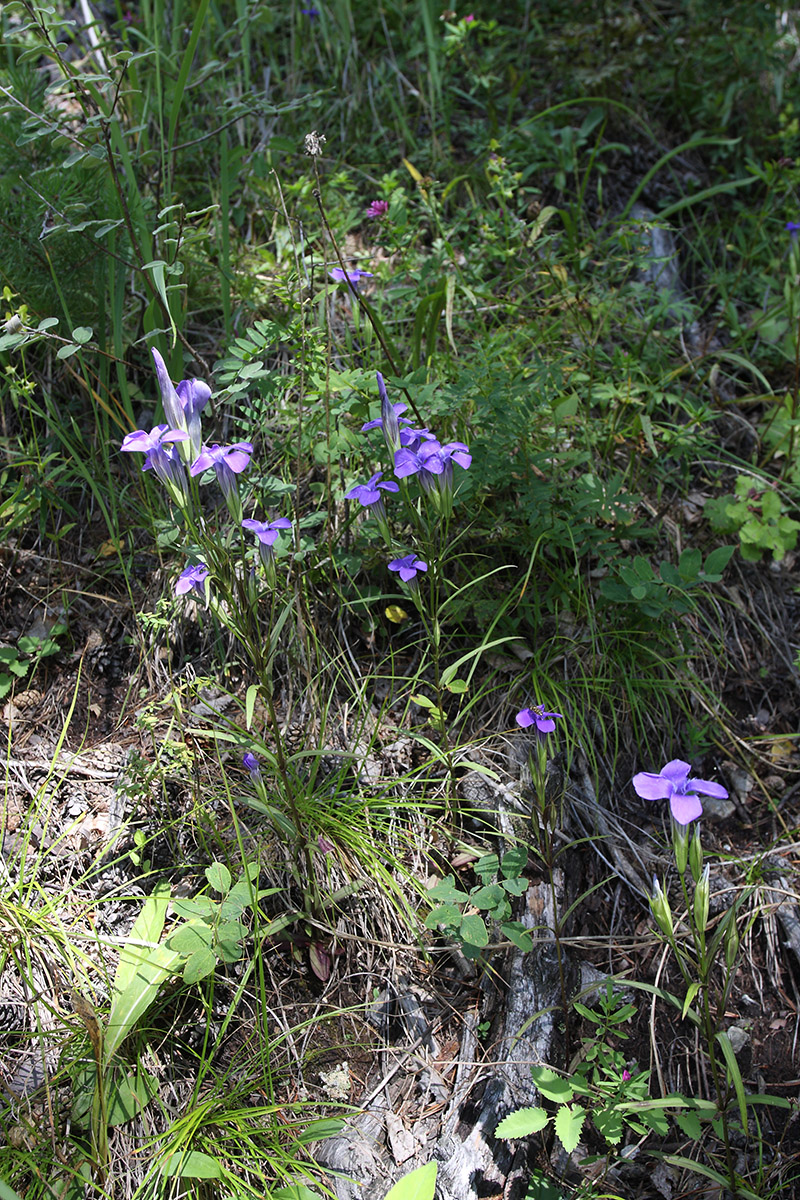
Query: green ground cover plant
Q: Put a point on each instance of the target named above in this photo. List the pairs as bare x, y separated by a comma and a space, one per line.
377, 380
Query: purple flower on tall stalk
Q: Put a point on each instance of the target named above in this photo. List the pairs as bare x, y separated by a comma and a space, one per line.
673, 783
545, 722
426, 462
792, 227
312, 12
182, 404
378, 208
390, 420
370, 497
192, 579
160, 453
251, 763
267, 534
407, 568
352, 276
227, 461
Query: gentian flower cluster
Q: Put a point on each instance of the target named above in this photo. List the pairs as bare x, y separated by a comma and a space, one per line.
415, 452
673, 783
172, 447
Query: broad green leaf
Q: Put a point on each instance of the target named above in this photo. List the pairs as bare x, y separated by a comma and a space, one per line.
419, 1184
488, 896
568, 1123
191, 1164
608, 1123
522, 1123
128, 1094
68, 350
518, 935
189, 938
443, 914
689, 1123
514, 862
199, 964
219, 877
144, 966
82, 334
473, 930
7, 1193
196, 906
552, 1086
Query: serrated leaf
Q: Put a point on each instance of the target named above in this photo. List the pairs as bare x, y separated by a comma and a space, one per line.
522, 1123
568, 1124
608, 1123
552, 1086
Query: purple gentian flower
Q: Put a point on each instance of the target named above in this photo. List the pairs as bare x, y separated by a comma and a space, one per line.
545, 722
184, 403
390, 420
369, 496
792, 227
251, 763
160, 453
312, 13
378, 208
227, 461
192, 579
267, 534
407, 568
352, 276
194, 395
673, 783
426, 462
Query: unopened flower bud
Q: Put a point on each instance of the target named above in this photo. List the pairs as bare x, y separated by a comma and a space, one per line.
659, 905
680, 845
731, 941
702, 894
696, 856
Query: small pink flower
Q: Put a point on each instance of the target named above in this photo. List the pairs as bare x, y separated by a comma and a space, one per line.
626, 1075
378, 208
469, 19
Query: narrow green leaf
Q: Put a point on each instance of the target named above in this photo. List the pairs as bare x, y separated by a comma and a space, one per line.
250, 705
734, 1074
